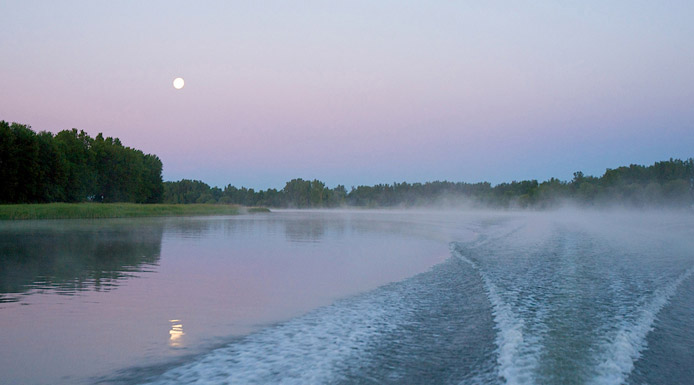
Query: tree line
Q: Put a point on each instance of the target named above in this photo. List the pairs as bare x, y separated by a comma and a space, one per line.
667, 183
73, 167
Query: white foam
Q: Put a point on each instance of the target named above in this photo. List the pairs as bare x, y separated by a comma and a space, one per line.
308, 349
625, 347
517, 354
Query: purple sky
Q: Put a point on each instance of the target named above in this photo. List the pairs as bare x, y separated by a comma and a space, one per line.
359, 92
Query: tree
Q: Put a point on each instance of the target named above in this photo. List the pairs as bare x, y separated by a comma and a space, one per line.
73, 167
81, 175
298, 193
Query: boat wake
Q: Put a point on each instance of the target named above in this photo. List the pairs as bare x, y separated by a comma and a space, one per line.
626, 343
568, 307
434, 327
543, 304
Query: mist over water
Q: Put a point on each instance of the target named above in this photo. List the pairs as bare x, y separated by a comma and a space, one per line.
565, 297
430, 296
575, 295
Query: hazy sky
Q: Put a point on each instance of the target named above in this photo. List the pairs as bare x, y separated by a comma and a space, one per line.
359, 92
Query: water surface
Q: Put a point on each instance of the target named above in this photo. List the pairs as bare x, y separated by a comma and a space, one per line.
80, 300
351, 297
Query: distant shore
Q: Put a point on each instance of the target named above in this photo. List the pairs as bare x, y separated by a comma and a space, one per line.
117, 210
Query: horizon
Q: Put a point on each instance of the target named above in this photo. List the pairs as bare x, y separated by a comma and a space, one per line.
432, 181
222, 186
358, 93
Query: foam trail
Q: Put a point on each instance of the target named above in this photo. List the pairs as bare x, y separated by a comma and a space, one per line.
308, 349
514, 367
630, 340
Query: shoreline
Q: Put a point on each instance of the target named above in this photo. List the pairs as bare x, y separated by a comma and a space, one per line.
31, 211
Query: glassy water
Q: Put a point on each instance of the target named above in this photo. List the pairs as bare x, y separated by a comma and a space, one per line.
350, 297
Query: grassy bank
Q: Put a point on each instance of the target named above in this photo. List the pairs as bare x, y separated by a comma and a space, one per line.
116, 210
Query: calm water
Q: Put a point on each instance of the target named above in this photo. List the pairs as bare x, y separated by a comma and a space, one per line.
350, 297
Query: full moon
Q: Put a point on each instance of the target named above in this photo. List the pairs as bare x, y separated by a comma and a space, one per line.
178, 83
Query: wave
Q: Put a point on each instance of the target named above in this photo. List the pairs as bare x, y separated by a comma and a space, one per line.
517, 354
433, 327
519, 304
627, 343
308, 349
535, 296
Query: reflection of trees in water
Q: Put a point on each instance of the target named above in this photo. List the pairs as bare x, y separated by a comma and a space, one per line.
296, 229
65, 257
314, 228
311, 229
205, 226
192, 227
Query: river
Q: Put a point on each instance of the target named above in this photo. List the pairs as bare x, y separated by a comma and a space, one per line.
469, 297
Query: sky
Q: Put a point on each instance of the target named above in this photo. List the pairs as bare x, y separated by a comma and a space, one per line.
359, 92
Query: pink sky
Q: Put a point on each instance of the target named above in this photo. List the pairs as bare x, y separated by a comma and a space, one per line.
357, 93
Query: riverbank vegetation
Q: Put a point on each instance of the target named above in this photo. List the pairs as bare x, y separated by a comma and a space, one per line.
664, 184
116, 210
73, 167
